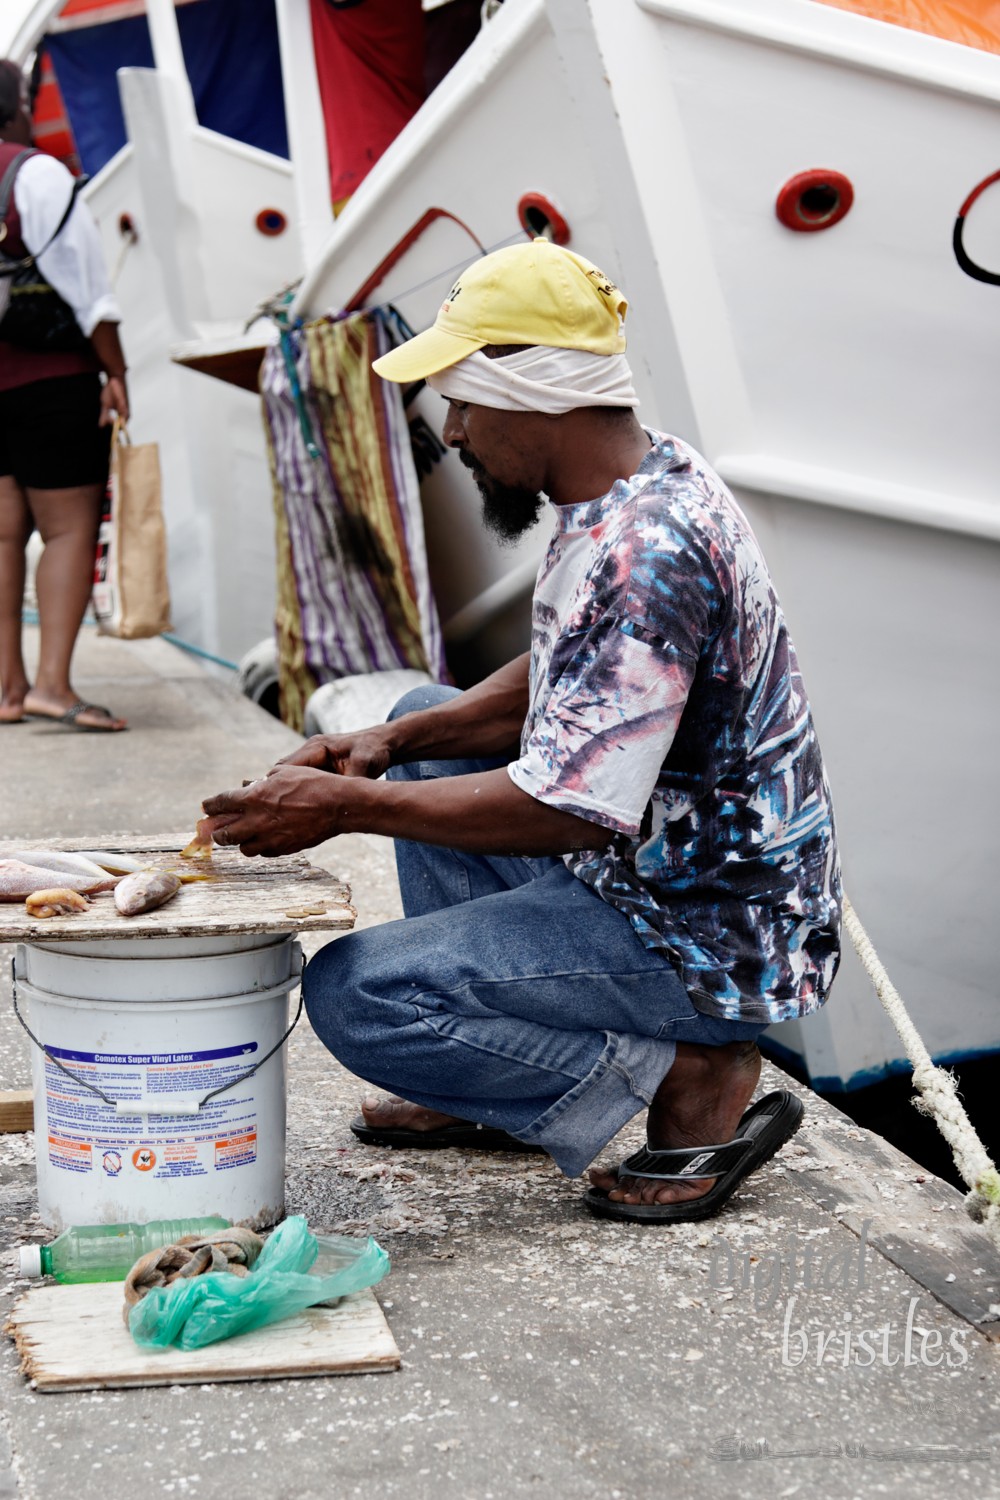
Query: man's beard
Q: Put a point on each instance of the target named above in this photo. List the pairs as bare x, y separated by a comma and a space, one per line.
508, 511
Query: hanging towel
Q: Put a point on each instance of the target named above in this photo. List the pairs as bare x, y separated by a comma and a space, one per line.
354, 592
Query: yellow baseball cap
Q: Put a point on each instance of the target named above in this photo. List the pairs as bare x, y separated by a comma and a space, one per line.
533, 293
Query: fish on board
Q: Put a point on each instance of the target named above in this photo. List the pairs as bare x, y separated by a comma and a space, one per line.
115, 863
127, 864
18, 880
58, 902
145, 890
63, 863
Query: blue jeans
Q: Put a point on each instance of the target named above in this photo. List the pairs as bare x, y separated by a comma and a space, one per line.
511, 994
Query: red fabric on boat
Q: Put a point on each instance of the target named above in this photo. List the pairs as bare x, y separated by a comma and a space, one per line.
370, 64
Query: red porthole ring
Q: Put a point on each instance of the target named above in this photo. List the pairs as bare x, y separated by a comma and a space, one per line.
992, 278
814, 200
539, 215
271, 221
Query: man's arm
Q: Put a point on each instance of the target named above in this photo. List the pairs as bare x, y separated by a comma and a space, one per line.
296, 807
486, 720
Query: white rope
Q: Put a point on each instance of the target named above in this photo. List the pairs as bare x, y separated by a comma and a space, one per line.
939, 1097
130, 238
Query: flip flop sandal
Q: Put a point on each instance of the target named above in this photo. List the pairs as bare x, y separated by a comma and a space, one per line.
763, 1130
72, 714
465, 1133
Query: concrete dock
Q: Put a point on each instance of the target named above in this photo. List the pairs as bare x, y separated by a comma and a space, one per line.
831, 1334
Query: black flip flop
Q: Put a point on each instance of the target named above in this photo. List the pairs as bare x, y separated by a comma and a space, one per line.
763, 1130
70, 717
464, 1133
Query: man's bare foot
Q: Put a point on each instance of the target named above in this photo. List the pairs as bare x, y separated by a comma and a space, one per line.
699, 1103
391, 1121
400, 1114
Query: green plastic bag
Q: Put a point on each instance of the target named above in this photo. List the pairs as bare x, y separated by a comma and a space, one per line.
294, 1270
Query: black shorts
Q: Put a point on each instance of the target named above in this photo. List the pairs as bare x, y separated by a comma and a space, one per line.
49, 437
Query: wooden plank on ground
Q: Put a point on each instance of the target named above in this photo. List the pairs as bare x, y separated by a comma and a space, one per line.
72, 1338
917, 1221
17, 1111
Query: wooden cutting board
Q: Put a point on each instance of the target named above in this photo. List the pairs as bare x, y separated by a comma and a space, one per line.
239, 895
72, 1338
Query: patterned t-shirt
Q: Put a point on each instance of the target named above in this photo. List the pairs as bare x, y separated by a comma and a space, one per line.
666, 704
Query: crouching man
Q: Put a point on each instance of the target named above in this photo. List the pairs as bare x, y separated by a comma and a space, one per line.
617, 854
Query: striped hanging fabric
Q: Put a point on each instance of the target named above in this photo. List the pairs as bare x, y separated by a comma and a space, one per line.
354, 592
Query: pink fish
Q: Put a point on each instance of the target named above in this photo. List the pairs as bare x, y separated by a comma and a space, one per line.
19, 880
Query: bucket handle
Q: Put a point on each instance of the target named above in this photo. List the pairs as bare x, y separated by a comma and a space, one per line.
134, 1106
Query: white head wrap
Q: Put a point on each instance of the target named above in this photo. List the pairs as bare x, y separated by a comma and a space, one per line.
539, 379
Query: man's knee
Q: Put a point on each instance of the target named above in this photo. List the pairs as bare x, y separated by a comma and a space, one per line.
418, 698
325, 995
350, 1001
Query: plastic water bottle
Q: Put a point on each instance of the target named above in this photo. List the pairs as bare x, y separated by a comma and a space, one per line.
107, 1252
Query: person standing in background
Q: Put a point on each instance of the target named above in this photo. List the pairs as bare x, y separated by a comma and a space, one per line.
55, 419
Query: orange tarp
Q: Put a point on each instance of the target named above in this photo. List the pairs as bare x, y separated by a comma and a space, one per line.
79, 7
974, 23
123, 7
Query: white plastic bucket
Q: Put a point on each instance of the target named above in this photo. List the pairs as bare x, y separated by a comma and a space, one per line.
85, 972
156, 1026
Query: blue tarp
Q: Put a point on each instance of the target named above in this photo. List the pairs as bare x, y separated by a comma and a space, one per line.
232, 58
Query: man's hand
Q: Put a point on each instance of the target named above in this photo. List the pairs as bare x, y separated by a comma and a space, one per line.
292, 808
365, 753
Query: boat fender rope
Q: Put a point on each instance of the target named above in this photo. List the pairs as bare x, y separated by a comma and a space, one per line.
938, 1094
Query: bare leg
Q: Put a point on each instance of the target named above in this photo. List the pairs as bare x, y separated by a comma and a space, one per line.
15, 529
67, 520
699, 1103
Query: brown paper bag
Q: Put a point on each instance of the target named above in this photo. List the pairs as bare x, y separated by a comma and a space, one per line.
131, 592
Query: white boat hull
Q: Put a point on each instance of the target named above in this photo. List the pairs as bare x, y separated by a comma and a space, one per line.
842, 382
